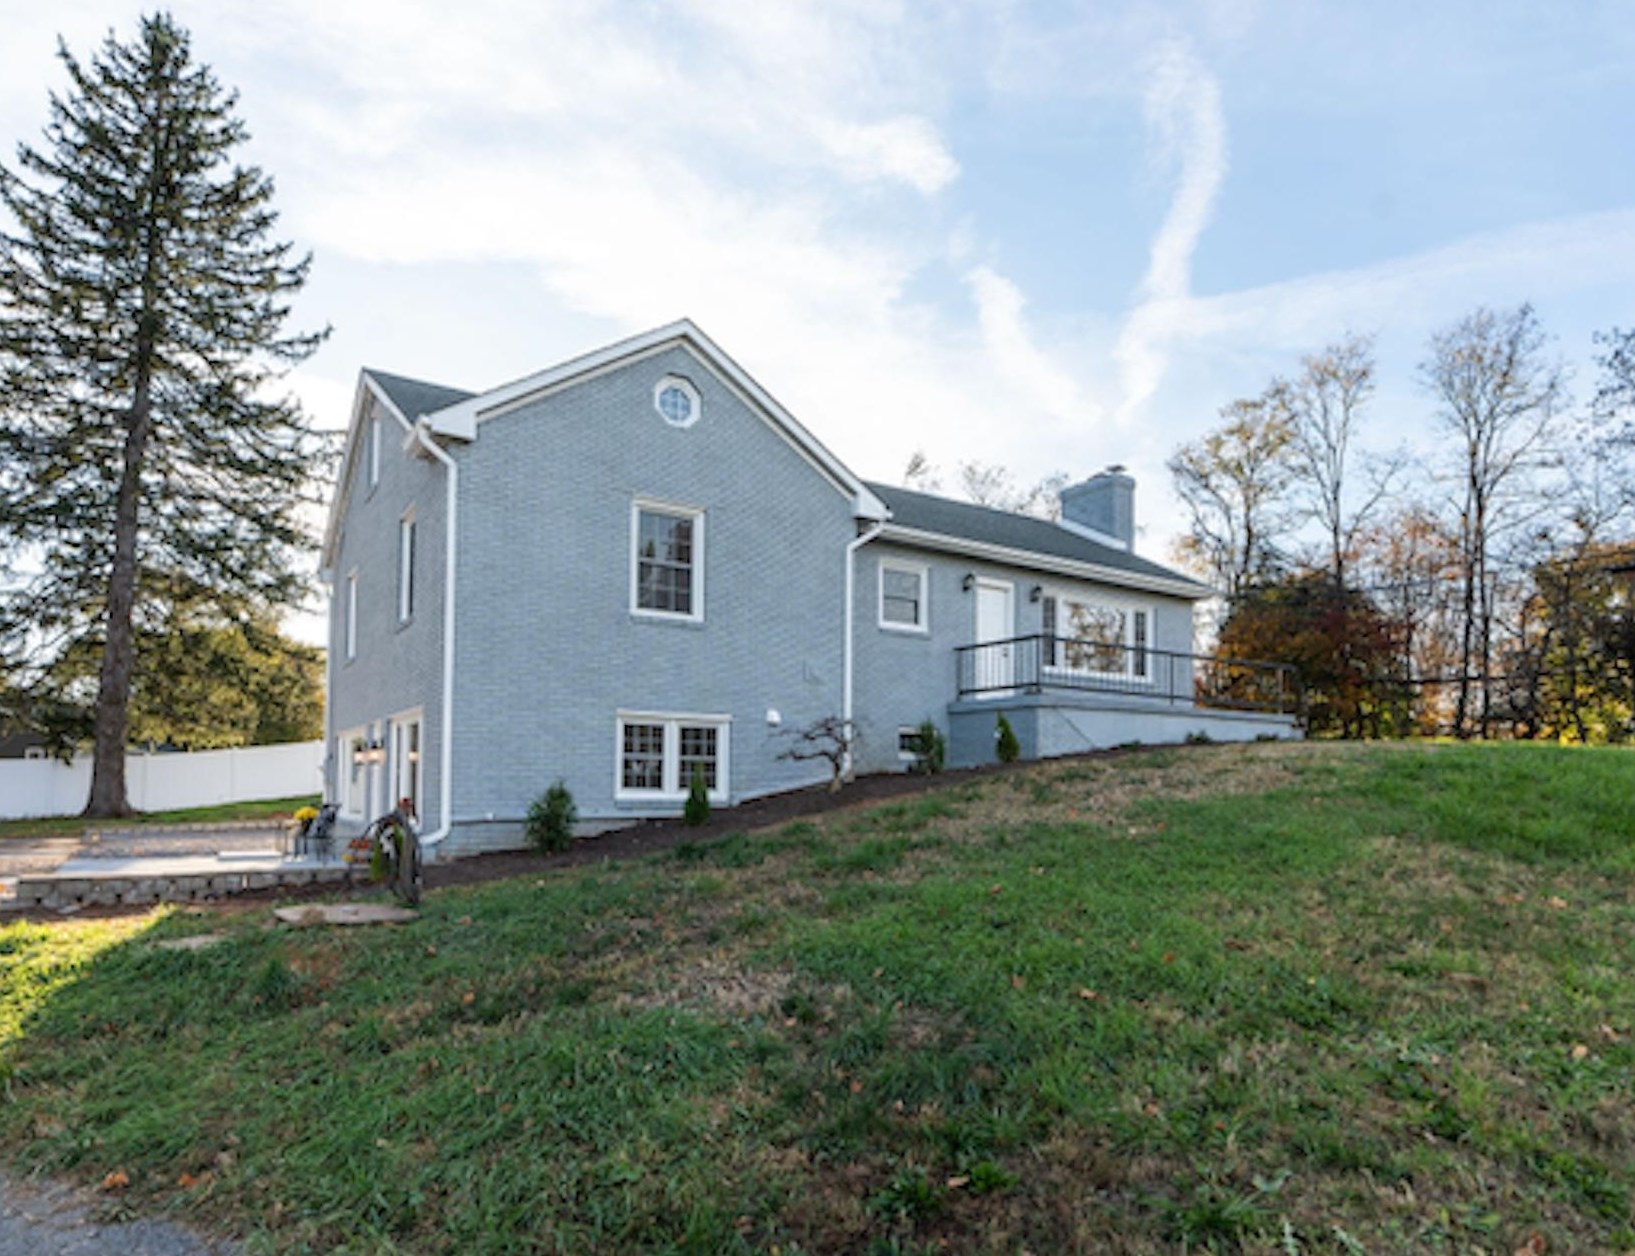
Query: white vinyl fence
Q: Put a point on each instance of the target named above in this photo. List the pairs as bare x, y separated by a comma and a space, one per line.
165, 782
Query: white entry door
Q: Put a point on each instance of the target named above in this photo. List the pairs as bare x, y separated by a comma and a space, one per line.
995, 626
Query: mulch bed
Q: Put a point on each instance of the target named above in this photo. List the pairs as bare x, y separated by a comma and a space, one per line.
645, 837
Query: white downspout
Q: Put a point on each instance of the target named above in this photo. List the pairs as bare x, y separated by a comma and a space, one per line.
445, 784
846, 666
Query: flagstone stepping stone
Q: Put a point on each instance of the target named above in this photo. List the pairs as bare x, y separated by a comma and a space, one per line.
345, 914
197, 942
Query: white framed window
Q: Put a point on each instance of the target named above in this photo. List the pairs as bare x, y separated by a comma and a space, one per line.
903, 590
350, 627
405, 567
666, 560
1096, 635
34, 752
656, 754
677, 401
407, 772
372, 452
908, 744
351, 771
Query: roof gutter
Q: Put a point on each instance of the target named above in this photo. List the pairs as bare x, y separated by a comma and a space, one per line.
1048, 563
445, 783
847, 650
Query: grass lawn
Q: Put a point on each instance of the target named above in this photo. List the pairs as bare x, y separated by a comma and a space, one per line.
1274, 999
73, 826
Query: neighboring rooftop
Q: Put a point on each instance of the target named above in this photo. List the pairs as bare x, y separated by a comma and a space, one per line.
415, 397
943, 516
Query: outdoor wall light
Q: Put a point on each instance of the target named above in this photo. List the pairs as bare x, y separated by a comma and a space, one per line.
969, 582
1036, 592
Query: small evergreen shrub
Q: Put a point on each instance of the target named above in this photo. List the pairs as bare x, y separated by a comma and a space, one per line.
697, 809
551, 819
930, 748
1006, 745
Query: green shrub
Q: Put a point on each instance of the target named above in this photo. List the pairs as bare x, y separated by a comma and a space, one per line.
1007, 747
930, 748
697, 809
551, 819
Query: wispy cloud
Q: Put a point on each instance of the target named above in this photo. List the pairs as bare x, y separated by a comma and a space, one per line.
1029, 370
1185, 118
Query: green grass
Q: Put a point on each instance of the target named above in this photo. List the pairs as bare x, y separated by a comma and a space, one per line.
1300, 999
74, 826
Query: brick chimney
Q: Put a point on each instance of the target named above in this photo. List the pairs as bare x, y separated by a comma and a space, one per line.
1102, 507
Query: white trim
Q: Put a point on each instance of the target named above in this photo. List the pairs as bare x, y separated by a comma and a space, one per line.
685, 386
405, 566
1124, 604
1007, 634
907, 756
848, 644
462, 419
673, 789
451, 549
368, 396
904, 567
349, 630
345, 768
1068, 568
396, 726
1097, 535
373, 460
674, 510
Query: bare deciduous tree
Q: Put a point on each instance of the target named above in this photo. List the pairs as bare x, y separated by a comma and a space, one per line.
1325, 404
1500, 397
1235, 483
829, 738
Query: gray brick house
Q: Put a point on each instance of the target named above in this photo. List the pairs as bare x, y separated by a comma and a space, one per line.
637, 564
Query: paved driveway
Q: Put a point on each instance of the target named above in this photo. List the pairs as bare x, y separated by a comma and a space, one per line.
37, 1218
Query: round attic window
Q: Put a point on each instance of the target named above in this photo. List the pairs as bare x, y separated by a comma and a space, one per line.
677, 400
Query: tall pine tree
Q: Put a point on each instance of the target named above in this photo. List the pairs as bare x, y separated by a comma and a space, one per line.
147, 456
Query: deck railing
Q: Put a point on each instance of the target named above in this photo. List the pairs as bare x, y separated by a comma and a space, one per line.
1037, 663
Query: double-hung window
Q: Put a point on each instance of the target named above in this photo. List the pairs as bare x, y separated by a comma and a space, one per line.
667, 561
903, 589
658, 755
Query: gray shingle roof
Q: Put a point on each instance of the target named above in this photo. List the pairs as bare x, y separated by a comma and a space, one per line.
941, 515
416, 397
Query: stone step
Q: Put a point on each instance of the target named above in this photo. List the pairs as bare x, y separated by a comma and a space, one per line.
133, 885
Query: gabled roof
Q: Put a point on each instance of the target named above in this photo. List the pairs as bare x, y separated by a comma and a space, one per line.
455, 414
462, 419
414, 397
960, 527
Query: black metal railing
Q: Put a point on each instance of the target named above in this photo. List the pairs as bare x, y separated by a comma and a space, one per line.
1036, 663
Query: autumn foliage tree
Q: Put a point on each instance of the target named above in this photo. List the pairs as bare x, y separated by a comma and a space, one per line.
1346, 651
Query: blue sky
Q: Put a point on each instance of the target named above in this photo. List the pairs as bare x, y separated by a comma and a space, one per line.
1051, 236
